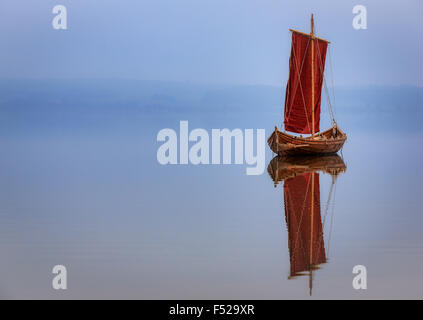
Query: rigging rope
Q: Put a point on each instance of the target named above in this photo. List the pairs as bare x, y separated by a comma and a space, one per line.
301, 217
299, 82
331, 113
327, 203
332, 80
332, 215
326, 87
330, 203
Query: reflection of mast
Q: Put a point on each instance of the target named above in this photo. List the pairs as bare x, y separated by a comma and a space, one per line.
312, 217
310, 282
302, 208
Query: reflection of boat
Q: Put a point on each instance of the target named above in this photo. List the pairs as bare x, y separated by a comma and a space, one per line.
302, 207
303, 98
281, 168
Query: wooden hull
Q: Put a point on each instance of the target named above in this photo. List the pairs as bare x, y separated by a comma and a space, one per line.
326, 142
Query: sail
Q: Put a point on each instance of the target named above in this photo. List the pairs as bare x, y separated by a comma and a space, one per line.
305, 231
298, 96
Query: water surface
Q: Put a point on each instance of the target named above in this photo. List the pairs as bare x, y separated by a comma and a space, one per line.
80, 186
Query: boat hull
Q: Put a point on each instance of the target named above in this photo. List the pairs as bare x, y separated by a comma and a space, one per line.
326, 142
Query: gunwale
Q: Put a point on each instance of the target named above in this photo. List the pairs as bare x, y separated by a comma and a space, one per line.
324, 142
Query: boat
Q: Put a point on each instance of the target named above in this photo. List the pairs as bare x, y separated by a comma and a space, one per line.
301, 188
303, 101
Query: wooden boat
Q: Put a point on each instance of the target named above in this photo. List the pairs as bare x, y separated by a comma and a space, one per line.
303, 100
301, 188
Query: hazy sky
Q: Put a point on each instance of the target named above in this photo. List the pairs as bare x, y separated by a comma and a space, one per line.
219, 41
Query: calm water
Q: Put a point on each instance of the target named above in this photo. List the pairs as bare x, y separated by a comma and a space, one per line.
80, 186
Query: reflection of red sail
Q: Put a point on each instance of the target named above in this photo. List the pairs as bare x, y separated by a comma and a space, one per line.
302, 212
302, 207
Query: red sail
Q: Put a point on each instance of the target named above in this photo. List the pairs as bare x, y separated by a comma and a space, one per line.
298, 98
305, 232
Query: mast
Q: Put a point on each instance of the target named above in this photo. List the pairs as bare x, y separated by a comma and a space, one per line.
310, 282
307, 99
312, 74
